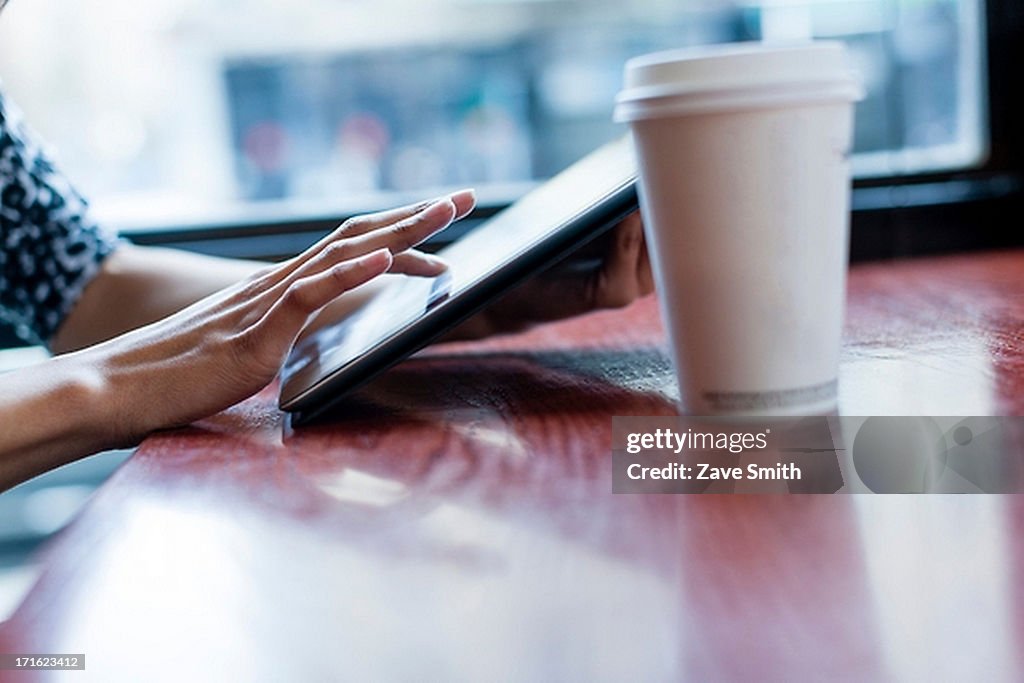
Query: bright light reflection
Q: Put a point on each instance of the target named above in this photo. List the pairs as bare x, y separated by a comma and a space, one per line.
176, 594
353, 486
938, 569
594, 616
920, 381
173, 585
15, 583
501, 439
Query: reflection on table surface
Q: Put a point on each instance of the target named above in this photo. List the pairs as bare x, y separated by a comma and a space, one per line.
454, 521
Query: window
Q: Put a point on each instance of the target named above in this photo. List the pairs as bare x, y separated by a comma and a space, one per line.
170, 112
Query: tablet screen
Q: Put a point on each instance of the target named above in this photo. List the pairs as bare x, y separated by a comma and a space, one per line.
565, 211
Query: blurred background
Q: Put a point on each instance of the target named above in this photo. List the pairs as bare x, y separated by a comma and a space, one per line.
178, 113
163, 109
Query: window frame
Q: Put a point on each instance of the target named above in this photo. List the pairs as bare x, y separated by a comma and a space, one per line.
962, 210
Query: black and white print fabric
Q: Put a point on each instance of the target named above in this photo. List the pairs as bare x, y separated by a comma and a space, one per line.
49, 247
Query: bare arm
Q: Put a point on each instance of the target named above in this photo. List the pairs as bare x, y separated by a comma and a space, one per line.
203, 358
140, 285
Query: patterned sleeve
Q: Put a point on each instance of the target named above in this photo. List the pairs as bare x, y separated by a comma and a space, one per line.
49, 247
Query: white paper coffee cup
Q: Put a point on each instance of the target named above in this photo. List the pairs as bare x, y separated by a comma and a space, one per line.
744, 187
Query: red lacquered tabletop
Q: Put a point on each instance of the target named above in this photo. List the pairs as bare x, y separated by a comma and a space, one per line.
455, 521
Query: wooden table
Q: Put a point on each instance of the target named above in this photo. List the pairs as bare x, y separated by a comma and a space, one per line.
456, 523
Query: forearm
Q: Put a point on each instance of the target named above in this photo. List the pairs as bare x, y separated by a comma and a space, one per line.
52, 414
139, 285
203, 358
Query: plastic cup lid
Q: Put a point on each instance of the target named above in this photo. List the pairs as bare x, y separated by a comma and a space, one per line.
736, 68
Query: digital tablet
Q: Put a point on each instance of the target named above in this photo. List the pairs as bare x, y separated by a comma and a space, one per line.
535, 232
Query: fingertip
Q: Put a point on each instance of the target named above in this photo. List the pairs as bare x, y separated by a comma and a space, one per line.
418, 264
431, 259
464, 201
442, 209
437, 265
379, 259
431, 270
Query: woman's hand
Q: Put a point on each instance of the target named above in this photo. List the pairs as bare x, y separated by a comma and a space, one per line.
228, 346
208, 356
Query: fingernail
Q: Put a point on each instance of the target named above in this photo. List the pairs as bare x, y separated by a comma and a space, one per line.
446, 204
382, 254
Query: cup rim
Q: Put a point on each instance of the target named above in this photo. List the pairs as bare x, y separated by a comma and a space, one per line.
683, 103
